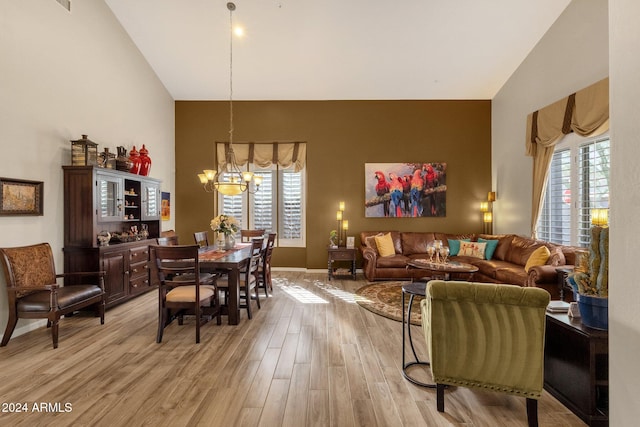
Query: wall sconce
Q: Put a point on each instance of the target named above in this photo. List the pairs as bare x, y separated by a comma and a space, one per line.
491, 197
484, 206
600, 217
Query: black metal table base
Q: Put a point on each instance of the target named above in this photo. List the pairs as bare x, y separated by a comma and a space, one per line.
406, 330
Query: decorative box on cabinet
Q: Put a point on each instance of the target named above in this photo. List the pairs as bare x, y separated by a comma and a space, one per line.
97, 199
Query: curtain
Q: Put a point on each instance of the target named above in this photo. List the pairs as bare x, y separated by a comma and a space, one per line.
585, 112
284, 154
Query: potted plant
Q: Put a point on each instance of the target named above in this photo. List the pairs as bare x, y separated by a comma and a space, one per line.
333, 239
590, 280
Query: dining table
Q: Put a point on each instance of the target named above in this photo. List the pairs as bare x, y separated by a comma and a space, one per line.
230, 262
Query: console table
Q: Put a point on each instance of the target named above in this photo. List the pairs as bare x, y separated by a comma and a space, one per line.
576, 368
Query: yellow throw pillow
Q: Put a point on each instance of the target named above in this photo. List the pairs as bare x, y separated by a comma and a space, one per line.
537, 257
385, 245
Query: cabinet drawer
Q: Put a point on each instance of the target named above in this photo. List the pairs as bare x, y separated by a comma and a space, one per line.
140, 284
139, 254
138, 269
340, 255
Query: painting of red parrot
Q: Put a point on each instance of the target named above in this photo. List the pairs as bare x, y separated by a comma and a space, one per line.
382, 189
395, 189
407, 190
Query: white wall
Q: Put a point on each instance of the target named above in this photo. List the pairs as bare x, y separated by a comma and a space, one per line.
559, 65
572, 55
624, 297
63, 75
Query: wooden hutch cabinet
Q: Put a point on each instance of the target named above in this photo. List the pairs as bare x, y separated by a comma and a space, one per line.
96, 200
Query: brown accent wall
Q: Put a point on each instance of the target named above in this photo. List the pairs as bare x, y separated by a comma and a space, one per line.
341, 137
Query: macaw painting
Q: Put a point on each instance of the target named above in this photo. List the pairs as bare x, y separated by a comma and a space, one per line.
405, 189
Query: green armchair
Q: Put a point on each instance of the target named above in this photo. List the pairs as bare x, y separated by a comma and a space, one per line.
488, 336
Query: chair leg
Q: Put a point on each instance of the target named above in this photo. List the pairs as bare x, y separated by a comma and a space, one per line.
54, 332
161, 323
263, 282
532, 412
101, 311
257, 295
11, 325
198, 321
440, 397
247, 298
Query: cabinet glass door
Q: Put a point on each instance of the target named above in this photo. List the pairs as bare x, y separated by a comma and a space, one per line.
151, 201
109, 196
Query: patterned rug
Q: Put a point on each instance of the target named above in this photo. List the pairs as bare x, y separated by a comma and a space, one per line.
385, 299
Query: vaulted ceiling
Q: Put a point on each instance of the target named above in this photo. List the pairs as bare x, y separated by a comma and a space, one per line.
330, 49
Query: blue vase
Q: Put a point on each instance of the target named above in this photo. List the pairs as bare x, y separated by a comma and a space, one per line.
594, 310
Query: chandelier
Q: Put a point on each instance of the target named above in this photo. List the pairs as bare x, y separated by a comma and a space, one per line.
231, 180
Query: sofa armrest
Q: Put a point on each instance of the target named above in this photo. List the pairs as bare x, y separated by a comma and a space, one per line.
369, 259
541, 274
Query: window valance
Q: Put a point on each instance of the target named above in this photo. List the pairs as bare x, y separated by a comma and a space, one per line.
585, 112
265, 154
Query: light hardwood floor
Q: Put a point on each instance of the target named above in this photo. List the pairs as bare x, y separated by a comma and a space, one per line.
309, 357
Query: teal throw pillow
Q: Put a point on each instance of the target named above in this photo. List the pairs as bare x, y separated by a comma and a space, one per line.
454, 246
490, 248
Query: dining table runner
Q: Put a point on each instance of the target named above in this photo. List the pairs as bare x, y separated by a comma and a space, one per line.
212, 254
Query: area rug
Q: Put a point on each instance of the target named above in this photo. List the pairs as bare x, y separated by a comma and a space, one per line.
385, 299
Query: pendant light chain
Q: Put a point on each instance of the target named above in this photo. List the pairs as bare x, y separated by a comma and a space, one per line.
231, 8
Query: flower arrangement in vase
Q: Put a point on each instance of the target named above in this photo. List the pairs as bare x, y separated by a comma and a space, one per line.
227, 226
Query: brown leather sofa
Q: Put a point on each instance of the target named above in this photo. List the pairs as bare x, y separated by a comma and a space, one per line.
505, 266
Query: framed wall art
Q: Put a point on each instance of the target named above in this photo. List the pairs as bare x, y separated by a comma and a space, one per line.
21, 197
405, 190
165, 206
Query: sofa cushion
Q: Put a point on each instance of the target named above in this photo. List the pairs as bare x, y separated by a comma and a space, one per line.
454, 245
491, 247
511, 275
472, 249
503, 247
370, 242
520, 250
385, 246
415, 243
393, 261
537, 257
557, 257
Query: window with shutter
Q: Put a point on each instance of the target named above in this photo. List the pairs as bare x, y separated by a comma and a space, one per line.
578, 182
278, 206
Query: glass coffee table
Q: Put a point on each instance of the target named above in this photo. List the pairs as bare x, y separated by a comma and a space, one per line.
442, 270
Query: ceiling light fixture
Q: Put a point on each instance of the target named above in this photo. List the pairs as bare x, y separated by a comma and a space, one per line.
231, 180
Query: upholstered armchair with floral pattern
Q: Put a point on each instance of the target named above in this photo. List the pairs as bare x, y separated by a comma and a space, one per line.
34, 294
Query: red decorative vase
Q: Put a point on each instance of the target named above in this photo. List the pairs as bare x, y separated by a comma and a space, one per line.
145, 161
135, 161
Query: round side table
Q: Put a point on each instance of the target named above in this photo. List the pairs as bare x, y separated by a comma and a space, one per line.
411, 289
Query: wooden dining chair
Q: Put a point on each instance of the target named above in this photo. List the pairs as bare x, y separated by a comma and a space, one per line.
34, 294
201, 238
247, 235
264, 271
248, 279
168, 240
183, 289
